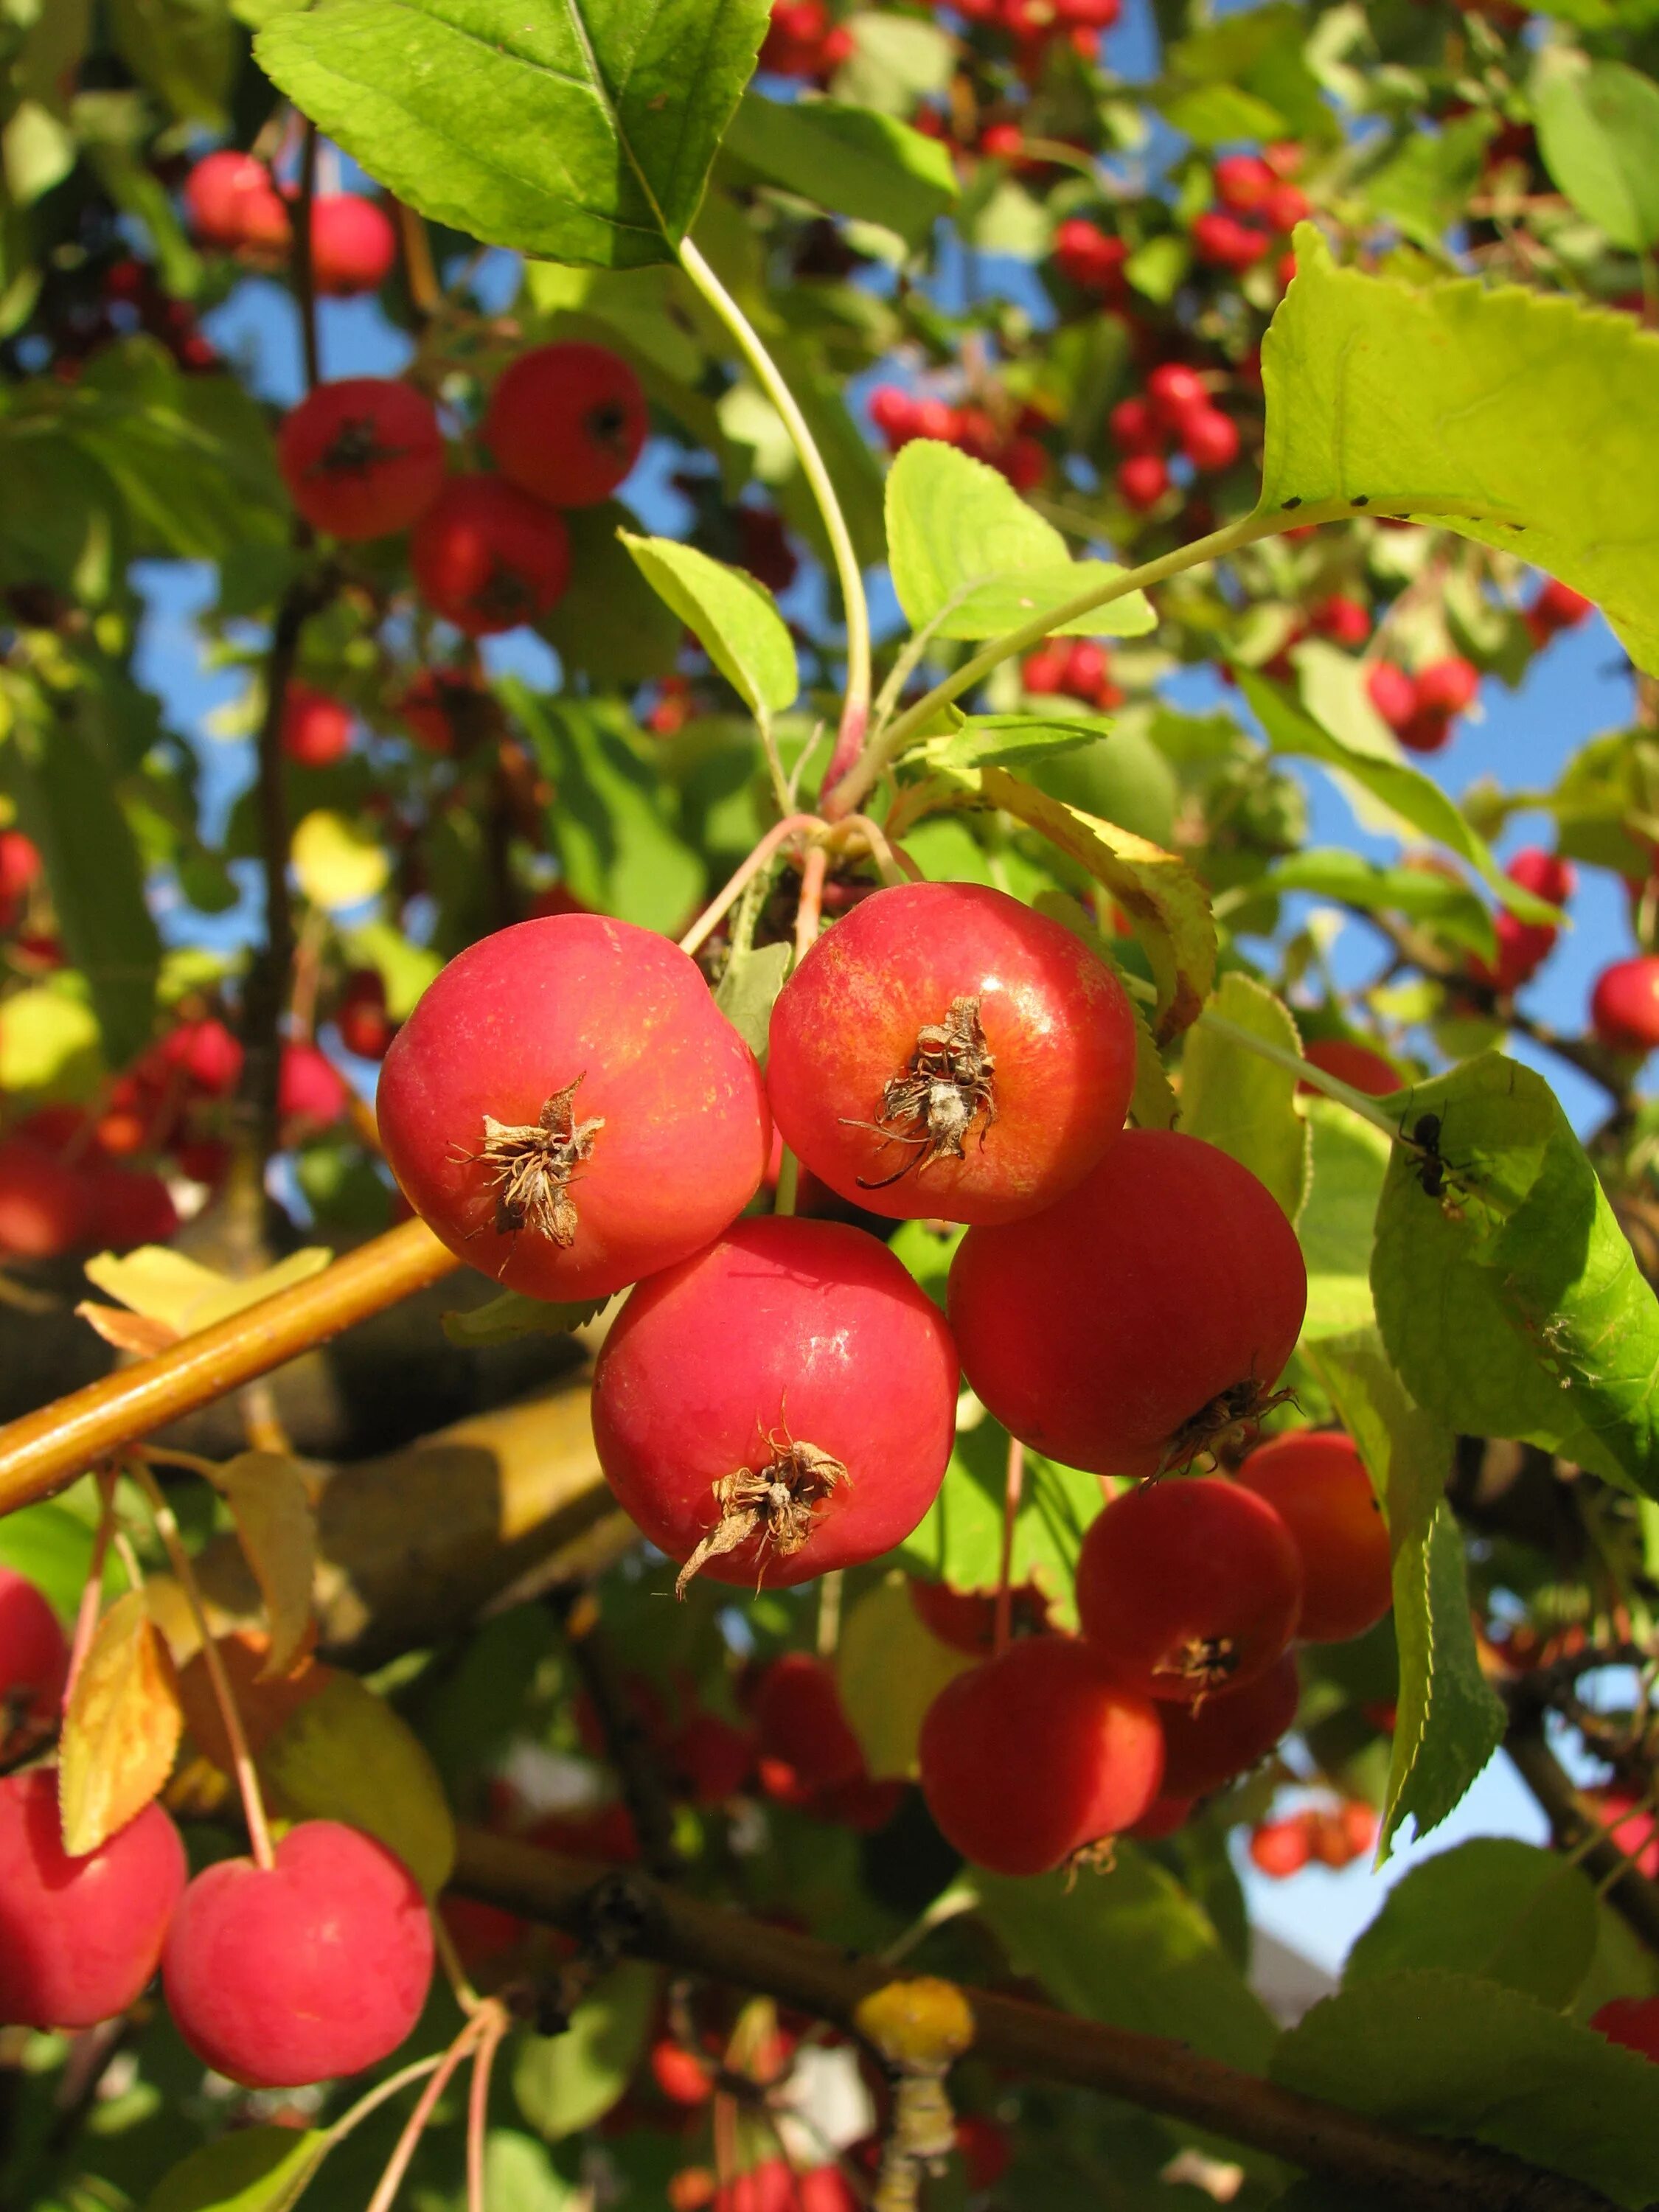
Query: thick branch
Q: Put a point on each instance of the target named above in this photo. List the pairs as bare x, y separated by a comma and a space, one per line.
305, 278
1416, 2173
47, 1449
1629, 1892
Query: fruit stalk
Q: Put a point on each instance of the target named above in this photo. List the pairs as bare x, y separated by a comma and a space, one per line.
1011, 1488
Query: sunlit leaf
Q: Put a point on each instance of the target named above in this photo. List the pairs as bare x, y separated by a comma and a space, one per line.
122, 1728
270, 1503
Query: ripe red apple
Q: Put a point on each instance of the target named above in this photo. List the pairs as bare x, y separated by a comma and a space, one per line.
353, 245
362, 457
33, 1656
566, 422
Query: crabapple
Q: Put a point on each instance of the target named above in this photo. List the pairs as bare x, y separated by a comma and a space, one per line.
566, 422
1523, 947
79, 1937
1447, 687
231, 201
1037, 1754
1155, 1308
1186, 1588
21, 867
1284, 207
568, 1108
44, 1203
487, 557
985, 2148
316, 729
1162, 1818
127, 1209
1425, 730
798, 1713
1088, 257
1318, 1486
1207, 1744
1174, 392
1351, 1063
966, 1619
1392, 692
819, 1436
1209, 439
1343, 620
1142, 479
1557, 607
1631, 2022
441, 709
1133, 427
1004, 142
683, 2076
311, 1092
1223, 242
362, 457
33, 1656
948, 1029
1624, 1006
207, 1054
1281, 1848
1243, 182
353, 245
364, 1024
710, 1758
314, 1967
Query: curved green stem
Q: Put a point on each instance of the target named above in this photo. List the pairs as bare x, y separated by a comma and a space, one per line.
855, 711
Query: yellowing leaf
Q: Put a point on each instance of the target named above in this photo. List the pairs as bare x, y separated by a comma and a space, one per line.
889, 1669
181, 1296
1166, 904
347, 1756
48, 1042
1152, 1103
337, 863
277, 1531
122, 1728
264, 1707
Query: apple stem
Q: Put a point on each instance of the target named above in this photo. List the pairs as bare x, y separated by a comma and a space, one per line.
247, 1781
793, 826
828, 1635
91, 1591
478, 2110
415, 2126
783, 1199
1013, 1484
450, 1959
809, 909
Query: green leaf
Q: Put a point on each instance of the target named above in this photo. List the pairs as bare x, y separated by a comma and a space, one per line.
1597, 129
1447, 400
1241, 1103
747, 990
851, 159
48, 1042
1125, 777
563, 2083
1420, 803
735, 619
63, 780
345, 1755
500, 1320
1129, 1947
1338, 1223
258, 2169
1494, 1907
959, 1538
1451, 2055
1449, 1720
1426, 182
183, 51
602, 116
1421, 895
889, 1669
609, 623
989, 740
896, 61
1513, 1306
52, 1546
970, 559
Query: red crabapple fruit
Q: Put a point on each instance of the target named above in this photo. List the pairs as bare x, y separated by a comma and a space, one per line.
1126, 1329
46, 1205
1036, 1755
1318, 1486
1209, 1744
1632, 2021
1162, 1818
1281, 1848
1186, 1588
566, 423
34, 1657
311, 1092
353, 245
1143, 479
1356, 1064
569, 1110
945, 1051
1175, 391
817, 1435
316, 729
316, 1967
1624, 1006
362, 457
231, 201
801, 1721
487, 557
80, 1937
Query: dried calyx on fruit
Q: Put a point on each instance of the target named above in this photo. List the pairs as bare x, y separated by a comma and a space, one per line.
776, 1502
944, 1089
534, 1164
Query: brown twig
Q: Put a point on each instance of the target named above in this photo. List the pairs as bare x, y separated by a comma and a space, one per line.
1413, 2172
305, 277
425, 295
1573, 1824
46, 1449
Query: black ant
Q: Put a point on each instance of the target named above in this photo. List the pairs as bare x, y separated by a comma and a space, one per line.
1433, 1175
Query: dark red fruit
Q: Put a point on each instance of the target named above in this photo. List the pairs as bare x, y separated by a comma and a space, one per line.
441, 707
1143, 480
1318, 1486
127, 1208
1631, 2022
1163, 1817
1356, 1064
34, 1657
629, 1118
311, 1092
1343, 621
710, 1758
44, 1203
1133, 427
353, 245
1222, 241
1393, 693
985, 2147
798, 1713
1624, 1006
363, 457
207, 1054
966, 1619
487, 557
1228, 1733
1447, 687
1124, 1329
316, 729
20, 869
79, 1938
1186, 1588
818, 1438
365, 1026
1243, 182
1088, 257
946, 1051
566, 423
314, 1967
1557, 607
1037, 1754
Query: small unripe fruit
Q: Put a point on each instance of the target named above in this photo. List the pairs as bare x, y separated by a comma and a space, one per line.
820, 1435
1624, 1006
944, 1050
316, 729
316, 1967
566, 423
362, 457
629, 1118
1318, 1486
1209, 1744
1037, 1754
487, 557
353, 245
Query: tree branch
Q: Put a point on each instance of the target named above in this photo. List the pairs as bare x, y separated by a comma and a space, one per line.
645, 1791
1631, 1895
1415, 2173
304, 276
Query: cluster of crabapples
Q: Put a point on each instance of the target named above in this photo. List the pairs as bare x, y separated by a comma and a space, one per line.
570, 1111
313, 1966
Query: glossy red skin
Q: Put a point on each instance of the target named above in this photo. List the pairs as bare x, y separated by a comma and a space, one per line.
1209, 439
1095, 1331
1243, 182
310, 1089
44, 1203
1631, 2022
1185, 1561
127, 1207
966, 1619
209, 1054
1281, 1848
362, 457
231, 201
1624, 1006
316, 729
824, 1338
19, 864
1318, 1486
34, 1655
316, 1967
1174, 392
1056, 1018
521, 1014
1228, 1733
1356, 1064
681, 2075
353, 245
1392, 693
1447, 687
487, 557
566, 423
798, 1711
1142, 479
1036, 1754
1162, 1818
1343, 620
79, 1938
